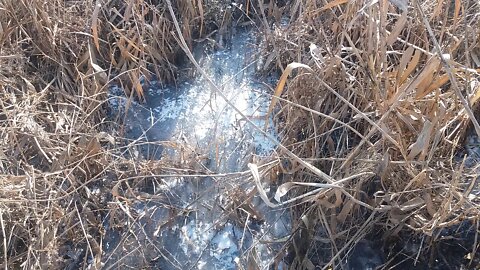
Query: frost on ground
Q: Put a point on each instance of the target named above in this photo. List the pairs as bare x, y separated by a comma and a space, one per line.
190, 226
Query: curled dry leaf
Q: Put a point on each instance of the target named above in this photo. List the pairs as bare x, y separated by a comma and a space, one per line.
282, 190
256, 177
286, 187
281, 84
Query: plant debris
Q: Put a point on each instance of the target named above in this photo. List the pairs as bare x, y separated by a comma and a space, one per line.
388, 91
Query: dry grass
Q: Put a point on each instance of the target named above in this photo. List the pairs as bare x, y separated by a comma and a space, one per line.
390, 93
58, 169
379, 114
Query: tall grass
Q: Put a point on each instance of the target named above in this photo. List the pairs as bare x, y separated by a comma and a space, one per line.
391, 92
373, 117
57, 59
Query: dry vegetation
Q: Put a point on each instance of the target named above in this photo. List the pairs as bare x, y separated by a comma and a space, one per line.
384, 107
56, 60
390, 93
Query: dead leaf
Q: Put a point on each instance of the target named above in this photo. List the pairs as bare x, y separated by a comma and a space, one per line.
429, 203
412, 204
422, 140
116, 192
475, 85
106, 137
347, 208
93, 147
438, 9
256, 177
407, 55
282, 190
316, 53
412, 64
396, 215
286, 187
398, 27
438, 82
458, 5
382, 167
333, 4
96, 11
281, 85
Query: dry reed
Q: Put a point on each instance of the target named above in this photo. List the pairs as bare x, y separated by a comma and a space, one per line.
390, 90
380, 113
59, 158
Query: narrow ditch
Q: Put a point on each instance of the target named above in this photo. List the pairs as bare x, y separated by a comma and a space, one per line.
210, 222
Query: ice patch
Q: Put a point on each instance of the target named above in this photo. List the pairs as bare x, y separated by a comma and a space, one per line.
196, 116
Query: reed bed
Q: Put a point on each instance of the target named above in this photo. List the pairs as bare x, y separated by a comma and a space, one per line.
376, 102
382, 98
60, 158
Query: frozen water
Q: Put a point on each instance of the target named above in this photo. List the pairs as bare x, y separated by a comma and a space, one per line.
203, 119
188, 229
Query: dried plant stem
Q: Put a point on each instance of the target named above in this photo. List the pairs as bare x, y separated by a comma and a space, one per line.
5, 250
448, 68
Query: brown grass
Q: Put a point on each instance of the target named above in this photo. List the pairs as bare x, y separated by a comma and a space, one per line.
56, 61
374, 124
388, 93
